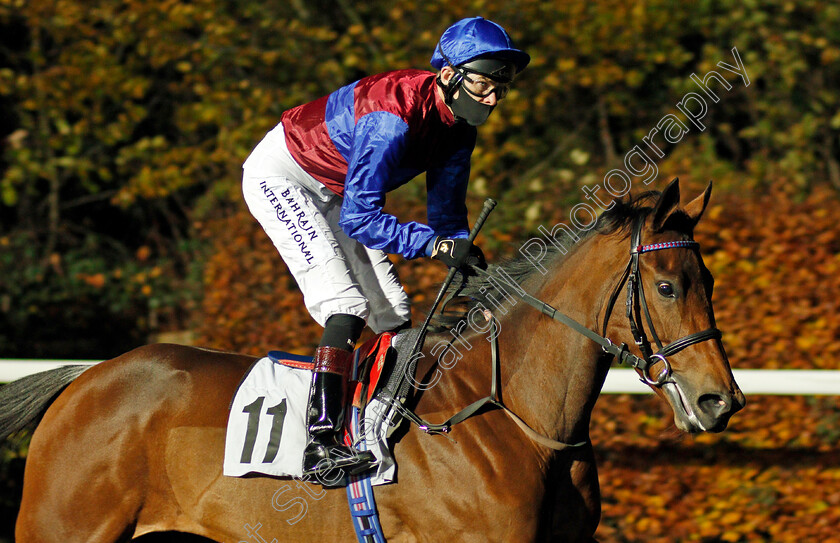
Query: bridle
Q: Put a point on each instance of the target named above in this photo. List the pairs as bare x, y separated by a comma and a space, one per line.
636, 303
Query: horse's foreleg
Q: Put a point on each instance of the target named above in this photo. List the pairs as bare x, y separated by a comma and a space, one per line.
574, 499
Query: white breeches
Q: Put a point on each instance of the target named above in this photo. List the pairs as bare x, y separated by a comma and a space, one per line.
336, 274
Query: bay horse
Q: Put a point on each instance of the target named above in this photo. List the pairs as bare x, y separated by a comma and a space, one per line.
133, 446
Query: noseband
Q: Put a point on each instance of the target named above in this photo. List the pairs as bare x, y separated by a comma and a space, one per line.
636, 304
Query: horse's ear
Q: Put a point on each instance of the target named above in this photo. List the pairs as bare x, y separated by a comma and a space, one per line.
667, 204
695, 208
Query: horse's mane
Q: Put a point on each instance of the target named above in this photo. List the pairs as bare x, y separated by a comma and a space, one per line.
476, 289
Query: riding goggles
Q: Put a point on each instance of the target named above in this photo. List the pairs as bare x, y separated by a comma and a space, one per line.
483, 87
490, 75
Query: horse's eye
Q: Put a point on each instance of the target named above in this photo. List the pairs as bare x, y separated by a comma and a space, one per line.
666, 289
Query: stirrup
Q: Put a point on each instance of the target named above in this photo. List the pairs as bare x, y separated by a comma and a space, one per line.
354, 463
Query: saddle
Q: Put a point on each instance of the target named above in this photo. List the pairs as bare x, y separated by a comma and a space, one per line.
380, 367
266, 432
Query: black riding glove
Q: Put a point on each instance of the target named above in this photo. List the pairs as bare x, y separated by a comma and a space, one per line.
458, 253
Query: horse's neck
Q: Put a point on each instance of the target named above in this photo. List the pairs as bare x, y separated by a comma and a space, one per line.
551, 374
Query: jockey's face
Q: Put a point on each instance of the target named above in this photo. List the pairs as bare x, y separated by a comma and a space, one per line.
479, 87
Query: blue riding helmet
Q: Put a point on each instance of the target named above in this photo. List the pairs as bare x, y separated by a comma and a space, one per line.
476, 37
476, 46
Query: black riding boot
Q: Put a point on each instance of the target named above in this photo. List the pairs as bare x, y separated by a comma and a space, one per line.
325, 418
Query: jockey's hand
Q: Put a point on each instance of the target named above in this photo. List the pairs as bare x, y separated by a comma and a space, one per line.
458, 253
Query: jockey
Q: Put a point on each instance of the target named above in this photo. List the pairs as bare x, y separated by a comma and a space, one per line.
317, 184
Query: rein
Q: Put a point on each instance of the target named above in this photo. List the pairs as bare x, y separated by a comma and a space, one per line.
635, 300
493, 399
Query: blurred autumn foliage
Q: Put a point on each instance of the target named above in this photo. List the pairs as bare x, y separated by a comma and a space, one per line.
125, 125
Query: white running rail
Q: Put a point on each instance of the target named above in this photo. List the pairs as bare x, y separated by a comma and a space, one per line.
619, 380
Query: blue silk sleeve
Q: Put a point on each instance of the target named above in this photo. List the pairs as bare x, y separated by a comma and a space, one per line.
379, 143
446, 189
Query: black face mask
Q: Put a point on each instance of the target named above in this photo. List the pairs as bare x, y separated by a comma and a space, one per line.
465, 108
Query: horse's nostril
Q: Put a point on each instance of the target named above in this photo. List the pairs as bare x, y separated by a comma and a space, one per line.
714, 404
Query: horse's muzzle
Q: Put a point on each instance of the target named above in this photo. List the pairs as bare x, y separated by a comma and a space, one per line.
706, 412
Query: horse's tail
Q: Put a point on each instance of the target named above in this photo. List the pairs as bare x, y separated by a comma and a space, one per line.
23, 401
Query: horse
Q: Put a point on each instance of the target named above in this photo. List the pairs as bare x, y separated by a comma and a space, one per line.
133, 446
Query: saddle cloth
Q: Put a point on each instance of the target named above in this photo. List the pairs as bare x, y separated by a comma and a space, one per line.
266, 432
